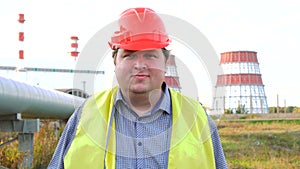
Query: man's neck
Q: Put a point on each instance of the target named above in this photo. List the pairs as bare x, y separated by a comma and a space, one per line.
142, 103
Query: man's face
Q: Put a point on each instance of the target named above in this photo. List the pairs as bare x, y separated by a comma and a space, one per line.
140, 71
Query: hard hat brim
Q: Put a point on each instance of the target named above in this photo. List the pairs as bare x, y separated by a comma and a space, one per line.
143, 45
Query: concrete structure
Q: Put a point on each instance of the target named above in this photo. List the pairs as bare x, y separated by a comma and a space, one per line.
75, 92
240, 85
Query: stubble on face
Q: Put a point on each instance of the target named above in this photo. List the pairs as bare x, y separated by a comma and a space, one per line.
140, 71
140, 75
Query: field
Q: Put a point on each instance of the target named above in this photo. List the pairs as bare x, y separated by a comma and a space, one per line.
261, 145
257, 143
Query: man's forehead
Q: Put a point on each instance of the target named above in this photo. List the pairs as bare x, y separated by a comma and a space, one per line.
139, 51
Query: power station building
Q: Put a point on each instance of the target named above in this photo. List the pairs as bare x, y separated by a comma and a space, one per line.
239, 87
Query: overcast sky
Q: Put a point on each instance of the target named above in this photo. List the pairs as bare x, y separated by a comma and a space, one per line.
271, 28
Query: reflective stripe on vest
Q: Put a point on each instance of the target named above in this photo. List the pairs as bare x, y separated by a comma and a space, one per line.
191, 143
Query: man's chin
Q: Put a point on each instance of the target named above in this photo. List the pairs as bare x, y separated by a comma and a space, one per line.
139, 90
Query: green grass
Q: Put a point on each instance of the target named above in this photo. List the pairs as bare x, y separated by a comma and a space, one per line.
266, 145
293, 121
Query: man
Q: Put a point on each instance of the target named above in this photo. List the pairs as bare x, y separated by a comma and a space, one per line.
141, 123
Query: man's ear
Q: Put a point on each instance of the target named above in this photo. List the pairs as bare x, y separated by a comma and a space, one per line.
114, 55
114, 60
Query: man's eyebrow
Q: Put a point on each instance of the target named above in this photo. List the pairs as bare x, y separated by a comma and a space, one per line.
130, 51
126, 52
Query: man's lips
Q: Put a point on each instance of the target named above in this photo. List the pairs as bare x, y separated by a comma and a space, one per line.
141, 76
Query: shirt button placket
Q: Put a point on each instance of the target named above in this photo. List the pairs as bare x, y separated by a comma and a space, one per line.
139, 145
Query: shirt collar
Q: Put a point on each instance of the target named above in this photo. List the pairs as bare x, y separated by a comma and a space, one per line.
164, 102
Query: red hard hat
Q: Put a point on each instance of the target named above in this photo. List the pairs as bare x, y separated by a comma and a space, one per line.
140, 29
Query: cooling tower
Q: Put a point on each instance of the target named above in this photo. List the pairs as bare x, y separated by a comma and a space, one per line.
240, 86
171, 76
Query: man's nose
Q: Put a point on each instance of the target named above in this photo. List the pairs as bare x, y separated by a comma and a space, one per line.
140, 62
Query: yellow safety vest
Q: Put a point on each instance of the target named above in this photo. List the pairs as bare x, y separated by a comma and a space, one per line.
94, 143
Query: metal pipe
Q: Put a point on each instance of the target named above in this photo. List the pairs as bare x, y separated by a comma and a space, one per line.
35, 102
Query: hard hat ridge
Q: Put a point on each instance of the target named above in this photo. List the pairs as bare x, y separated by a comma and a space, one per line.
140, 29
139, 12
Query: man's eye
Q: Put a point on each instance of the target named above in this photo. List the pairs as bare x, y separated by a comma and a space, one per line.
128, 56
148, 55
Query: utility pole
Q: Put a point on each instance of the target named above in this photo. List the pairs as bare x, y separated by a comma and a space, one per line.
277, 104
284, 106
83, 86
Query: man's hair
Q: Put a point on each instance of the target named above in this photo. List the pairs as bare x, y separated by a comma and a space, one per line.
165, 51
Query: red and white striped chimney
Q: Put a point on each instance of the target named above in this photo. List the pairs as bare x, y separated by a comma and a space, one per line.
74, 46
21, 20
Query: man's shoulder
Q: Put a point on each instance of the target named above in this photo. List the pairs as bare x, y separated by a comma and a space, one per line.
105, 92
179, 95
101, 97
